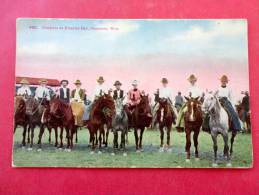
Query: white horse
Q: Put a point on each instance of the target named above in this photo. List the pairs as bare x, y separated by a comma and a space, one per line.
219, 124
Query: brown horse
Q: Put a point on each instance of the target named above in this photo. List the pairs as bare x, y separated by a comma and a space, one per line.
244, 116
20, 116
101, 114
141, 118
165, 119
192, 121
61, 113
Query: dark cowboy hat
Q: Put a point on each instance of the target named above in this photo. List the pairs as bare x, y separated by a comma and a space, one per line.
164, 80
117, 83
64, 81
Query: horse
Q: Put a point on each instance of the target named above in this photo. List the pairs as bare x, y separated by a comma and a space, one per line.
20, 116
244, 116
51, 122
120, 123
165, 118
192, 122
219, 124
34, 112
141, 118
63, 112
101, 114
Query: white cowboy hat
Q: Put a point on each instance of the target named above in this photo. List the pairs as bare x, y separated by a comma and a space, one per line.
135, 82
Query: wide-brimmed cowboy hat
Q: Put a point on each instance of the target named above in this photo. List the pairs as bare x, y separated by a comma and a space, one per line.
77, 82
24, 81
64, 81
192, 77
100, 79
117, 83
164, 80
43, 81
224, 78
135, 82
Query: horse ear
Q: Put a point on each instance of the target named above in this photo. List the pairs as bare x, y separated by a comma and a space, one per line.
197, 98
187, 98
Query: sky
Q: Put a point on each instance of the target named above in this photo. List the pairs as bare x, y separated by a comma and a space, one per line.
125, 50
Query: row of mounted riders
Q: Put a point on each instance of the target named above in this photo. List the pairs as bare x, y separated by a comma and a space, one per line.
107, 114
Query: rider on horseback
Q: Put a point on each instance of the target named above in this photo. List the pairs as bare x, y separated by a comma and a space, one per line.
226, 99
42, 92
134, 96
163, 93
24, 90
99, 91
193, 92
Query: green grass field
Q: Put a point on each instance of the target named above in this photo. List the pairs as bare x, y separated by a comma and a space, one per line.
151, 157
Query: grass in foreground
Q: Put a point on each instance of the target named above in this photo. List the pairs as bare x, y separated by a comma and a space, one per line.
151, 157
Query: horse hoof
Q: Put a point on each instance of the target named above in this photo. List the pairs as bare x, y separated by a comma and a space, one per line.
60, 149
39, 150
124, 154
92, 152
141, 150
187, 160
69, 150
197, 158
29, 149
23, 147
138, 151
229, 164
113, 154
214, 165
99, 152
169, 150
161, 150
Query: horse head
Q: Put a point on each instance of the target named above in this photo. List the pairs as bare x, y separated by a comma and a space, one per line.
106, 105
55, 107
19, 105
193, 108
119, 108
31, 106
143, 106
210, 102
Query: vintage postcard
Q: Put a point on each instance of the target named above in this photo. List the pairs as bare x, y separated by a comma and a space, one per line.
155, 93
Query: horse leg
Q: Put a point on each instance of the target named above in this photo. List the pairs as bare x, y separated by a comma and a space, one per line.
141, 135
49, 135
56, 136
32, 135
40, 136
115, 139
168, 135
71, 135
226, 147
136, 138
232, 141
24, 135
215, 147
188, 143
15, 126
61, 137
68, 137
28, 138
100, 138
161, 136
107, 135
195, 141
123, 142
76, 135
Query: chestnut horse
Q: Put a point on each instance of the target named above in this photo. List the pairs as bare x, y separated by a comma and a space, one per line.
20, 116
141, 118
165, 119
244, 116
63, 112
34, 111
192, 121
101, 114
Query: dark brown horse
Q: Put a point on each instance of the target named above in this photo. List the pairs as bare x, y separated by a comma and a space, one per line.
61, 114
165, 119
101, 114
244, 116
20, 118
141, 118
34, 111
192, 121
